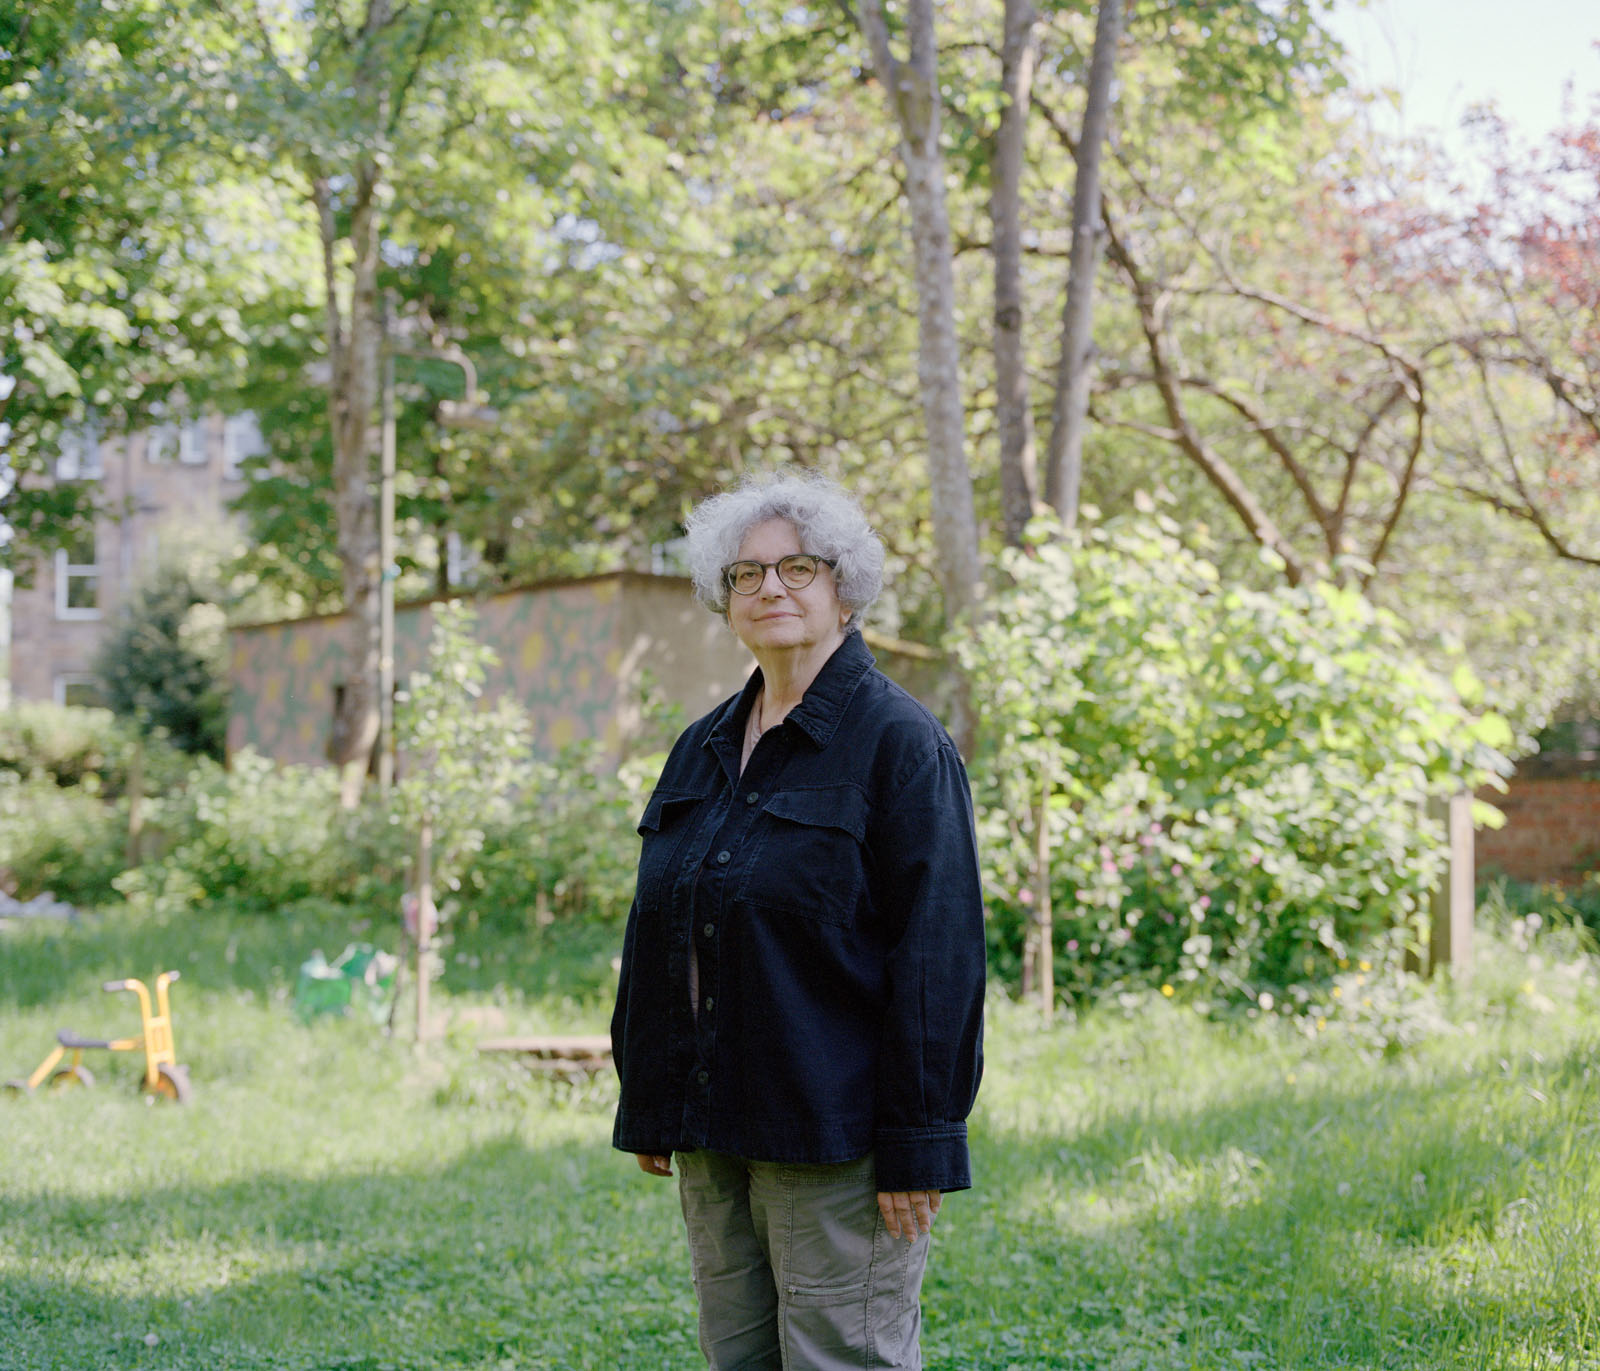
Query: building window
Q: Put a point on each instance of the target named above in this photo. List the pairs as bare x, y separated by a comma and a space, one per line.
241, 440
78, 688
161, 444
79, 459
193, 448
78, 580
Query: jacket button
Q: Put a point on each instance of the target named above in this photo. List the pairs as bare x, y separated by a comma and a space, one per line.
752, 797
702, 1076
710, 930
711, 1003
724, 857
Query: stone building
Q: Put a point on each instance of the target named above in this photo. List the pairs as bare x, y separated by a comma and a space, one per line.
157, 490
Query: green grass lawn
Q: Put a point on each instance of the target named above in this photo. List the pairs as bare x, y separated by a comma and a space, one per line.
1155, 1189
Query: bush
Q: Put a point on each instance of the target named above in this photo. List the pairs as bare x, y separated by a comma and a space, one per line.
163, 663
74, 746
65, 840
568, 847
268, 836
1238, 780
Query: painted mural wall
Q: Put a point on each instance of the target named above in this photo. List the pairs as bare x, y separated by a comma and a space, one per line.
577, 654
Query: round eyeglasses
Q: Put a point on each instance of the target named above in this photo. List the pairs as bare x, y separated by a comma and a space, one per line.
796, 571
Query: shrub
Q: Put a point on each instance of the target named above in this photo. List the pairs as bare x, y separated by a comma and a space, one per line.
267, 835
71, 746
1237, 780
65, 840
163, 663
567, 847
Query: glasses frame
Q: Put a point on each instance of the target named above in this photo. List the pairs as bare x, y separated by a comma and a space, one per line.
727, 572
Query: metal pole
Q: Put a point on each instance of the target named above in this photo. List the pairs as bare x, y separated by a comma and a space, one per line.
386, 567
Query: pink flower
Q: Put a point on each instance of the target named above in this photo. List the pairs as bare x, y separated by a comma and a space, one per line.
1072, 944
1204, 902
1025, 896
1176, 869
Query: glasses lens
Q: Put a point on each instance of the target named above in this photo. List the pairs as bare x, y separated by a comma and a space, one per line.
746, 577
796, 572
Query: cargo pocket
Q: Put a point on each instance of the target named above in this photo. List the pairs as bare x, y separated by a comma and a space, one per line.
830, 1258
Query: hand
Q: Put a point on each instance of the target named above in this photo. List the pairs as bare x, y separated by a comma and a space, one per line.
906, 1213
653, 1165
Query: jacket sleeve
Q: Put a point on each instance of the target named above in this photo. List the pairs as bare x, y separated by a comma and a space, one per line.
931, 1048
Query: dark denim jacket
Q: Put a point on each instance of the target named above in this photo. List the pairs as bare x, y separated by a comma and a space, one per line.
831, 895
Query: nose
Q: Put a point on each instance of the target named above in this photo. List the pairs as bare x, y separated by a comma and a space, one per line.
770, 577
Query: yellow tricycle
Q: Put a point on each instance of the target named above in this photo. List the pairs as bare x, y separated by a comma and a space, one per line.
163, 1076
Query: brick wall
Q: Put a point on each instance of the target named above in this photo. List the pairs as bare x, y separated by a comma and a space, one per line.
1552, 830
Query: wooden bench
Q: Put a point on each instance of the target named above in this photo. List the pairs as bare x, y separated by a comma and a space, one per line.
556, 1054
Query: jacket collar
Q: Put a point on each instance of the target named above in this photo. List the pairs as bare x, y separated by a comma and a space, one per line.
820, 709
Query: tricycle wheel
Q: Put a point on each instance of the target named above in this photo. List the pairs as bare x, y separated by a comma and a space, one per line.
172, 1083
70, 1077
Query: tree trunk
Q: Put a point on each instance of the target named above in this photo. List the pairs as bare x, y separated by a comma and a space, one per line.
1014, 414
912, 88
353, 348
350, 401
1042, 932
1070, 411
425, 920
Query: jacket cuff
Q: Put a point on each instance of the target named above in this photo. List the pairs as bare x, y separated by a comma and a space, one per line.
932, 1158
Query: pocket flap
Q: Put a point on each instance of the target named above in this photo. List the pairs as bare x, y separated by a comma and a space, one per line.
835, 806
660, 807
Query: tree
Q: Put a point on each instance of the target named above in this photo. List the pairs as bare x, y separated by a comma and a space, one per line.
461, 764
1071, 408
117, 309
1528, 315
164, 664
391, 125
1013, 409
911, 87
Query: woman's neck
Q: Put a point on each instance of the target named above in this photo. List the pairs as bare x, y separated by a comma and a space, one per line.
786, 676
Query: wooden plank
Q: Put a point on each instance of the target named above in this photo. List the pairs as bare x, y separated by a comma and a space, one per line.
554, 1048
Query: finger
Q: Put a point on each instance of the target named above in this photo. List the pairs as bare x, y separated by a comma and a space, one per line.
935, 1200
654, 1165
922, 1210
906, 1215
886, 1208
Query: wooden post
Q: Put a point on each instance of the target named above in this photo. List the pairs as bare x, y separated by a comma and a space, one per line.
1451, 906
1043, 916
132, 854
424, 921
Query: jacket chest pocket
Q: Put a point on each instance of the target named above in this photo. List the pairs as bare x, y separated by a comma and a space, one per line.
666, 822
809, 858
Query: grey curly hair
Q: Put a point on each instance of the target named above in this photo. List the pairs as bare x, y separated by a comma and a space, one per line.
829, 521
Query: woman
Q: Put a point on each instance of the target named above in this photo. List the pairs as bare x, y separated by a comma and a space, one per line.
800, 1013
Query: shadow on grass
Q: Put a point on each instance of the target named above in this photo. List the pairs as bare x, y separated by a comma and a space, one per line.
539, 1257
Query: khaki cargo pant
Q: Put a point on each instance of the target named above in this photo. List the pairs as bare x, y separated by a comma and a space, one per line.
794, 1269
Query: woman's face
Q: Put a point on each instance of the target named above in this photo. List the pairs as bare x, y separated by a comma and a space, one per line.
776, 618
